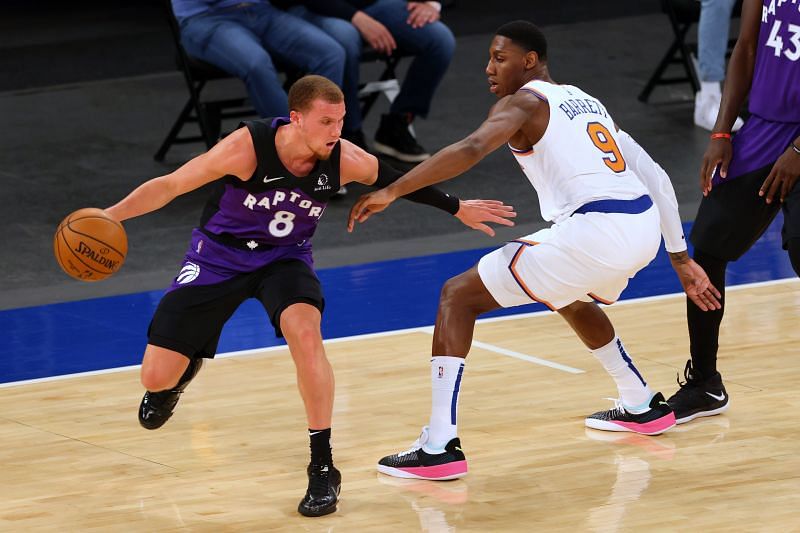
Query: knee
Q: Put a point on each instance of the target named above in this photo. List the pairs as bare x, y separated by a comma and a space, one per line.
441, 44
157, 379
457, 295
348, 37
303, 335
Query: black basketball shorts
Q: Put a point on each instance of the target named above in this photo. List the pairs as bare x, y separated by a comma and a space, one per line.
189, 319
733, 216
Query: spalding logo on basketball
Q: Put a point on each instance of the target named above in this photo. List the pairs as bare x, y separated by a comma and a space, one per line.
89, 245
188, 273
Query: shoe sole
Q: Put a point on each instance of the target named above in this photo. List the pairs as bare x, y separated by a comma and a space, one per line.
700, 414
327, 511
454, 470
408, 158
656, 427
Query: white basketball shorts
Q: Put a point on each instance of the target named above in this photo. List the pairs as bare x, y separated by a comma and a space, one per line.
586, 257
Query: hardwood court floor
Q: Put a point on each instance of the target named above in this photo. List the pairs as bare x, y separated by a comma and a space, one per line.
232, 459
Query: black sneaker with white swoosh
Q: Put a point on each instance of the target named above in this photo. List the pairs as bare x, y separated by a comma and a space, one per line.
698, 397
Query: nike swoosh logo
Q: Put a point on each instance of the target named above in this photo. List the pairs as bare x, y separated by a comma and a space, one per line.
718, 398
267, 180
459, 449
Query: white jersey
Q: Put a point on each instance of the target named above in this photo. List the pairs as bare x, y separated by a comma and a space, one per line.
578, 158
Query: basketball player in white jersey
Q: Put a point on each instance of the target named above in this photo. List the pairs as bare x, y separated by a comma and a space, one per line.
604, 195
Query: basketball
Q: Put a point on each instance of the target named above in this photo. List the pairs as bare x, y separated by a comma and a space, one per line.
89, 245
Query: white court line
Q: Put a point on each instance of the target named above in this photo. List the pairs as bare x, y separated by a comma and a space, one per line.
529, 358
423, 329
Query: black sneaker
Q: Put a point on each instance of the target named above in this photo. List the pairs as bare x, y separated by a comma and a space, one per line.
393, 138
416, 463
156, 407
698, 396
658, 419
324, 485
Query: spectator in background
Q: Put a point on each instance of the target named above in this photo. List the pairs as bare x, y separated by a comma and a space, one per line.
247, 38
388, 26
712, 44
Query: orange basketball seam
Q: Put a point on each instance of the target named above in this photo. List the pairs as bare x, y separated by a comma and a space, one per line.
73, 230
90, 267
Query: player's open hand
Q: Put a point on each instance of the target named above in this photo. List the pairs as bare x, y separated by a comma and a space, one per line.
719, 153
782, 177
696, 284
474, 214
368, 205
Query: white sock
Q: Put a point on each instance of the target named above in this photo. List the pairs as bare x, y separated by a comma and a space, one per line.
445, 384
710, 88
633, 390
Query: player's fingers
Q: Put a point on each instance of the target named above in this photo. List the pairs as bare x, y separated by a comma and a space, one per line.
484, 228
786, 186
767, 183
713, 291
500, 220
697, 301
774, 187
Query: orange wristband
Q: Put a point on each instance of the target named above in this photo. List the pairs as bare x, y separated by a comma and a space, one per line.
720, 135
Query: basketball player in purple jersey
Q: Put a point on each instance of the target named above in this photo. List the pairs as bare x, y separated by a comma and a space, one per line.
746, 179
254, 241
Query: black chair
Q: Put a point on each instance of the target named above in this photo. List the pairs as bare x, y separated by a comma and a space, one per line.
682, 14
209, 114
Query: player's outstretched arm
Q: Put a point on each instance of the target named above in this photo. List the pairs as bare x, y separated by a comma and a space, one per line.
233, 155
506, 118
357, 165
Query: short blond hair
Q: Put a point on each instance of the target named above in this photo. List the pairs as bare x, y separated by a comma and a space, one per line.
312, 87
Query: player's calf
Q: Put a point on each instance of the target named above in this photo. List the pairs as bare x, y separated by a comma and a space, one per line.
157, 407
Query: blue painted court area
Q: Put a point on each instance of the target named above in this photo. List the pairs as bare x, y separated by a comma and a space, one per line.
104, 333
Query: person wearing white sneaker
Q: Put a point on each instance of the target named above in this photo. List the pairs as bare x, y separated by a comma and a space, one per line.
609, 203
712, 43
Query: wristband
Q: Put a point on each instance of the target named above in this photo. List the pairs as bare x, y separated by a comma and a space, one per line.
721, 136
795, 148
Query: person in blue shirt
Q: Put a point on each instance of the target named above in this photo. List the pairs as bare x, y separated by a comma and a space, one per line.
247, 39
388, 26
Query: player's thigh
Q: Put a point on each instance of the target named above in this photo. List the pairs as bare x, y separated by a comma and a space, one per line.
587, 255
285, 283
189, 319
733, 216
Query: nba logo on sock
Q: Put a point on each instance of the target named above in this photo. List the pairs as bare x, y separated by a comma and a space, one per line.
441, 372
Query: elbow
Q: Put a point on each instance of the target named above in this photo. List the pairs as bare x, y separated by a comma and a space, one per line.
471, 150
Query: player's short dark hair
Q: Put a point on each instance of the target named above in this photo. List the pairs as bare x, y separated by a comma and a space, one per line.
526, 35
310, 88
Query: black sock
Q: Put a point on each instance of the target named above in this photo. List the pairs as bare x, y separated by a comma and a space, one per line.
704, 325
320, 446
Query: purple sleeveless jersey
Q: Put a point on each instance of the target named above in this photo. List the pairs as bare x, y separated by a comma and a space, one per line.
272, 216
774, 93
